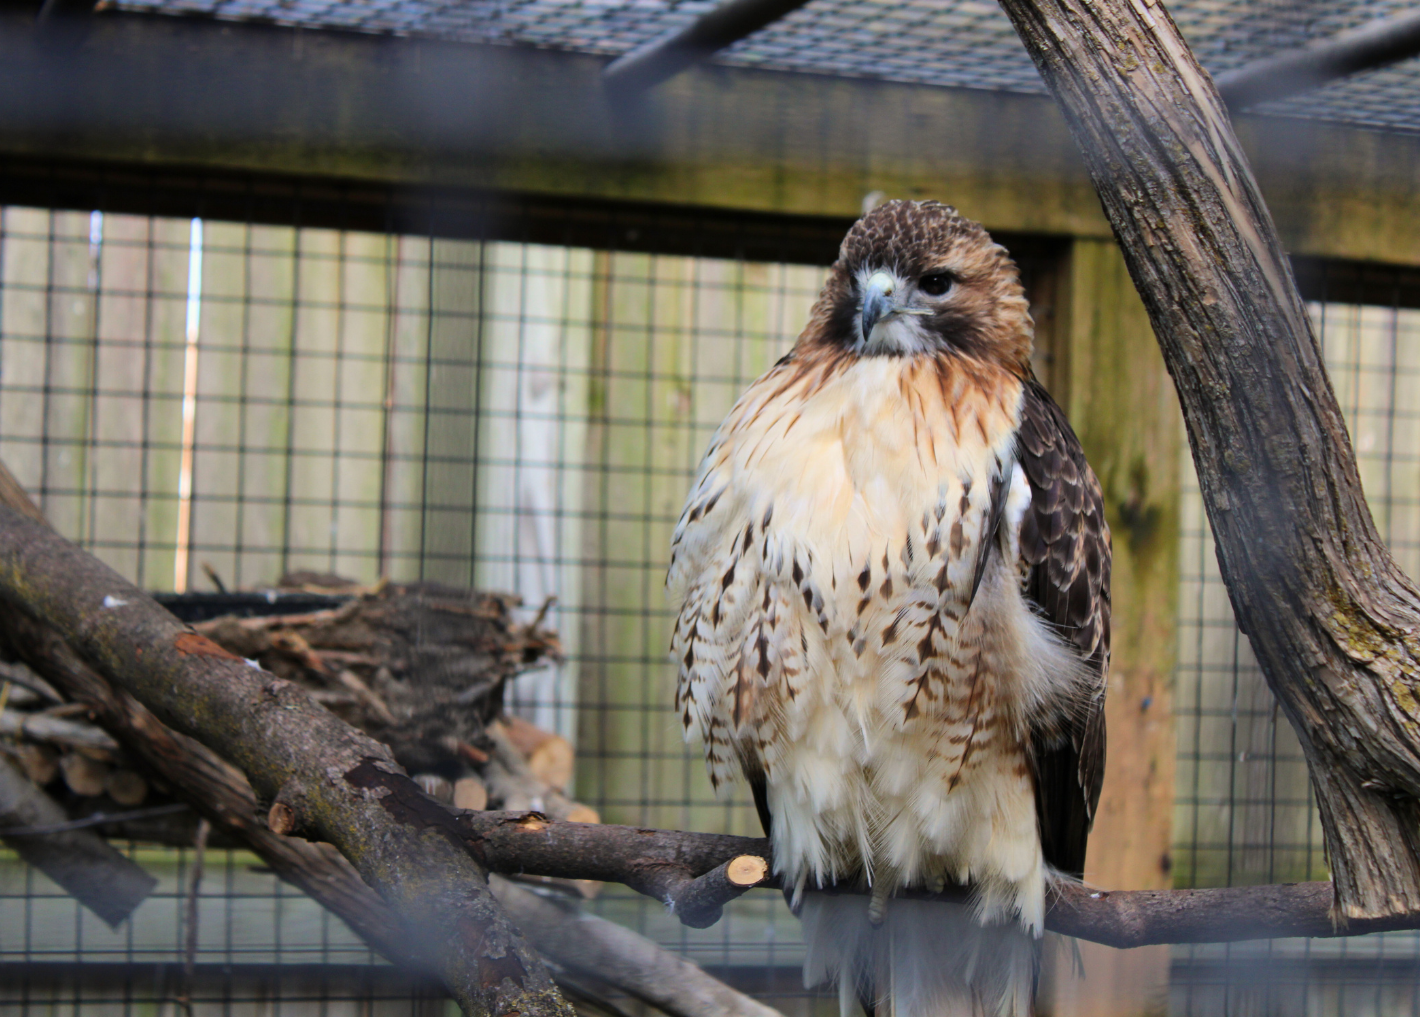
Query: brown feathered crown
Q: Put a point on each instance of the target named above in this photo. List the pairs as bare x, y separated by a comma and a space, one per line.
985, 315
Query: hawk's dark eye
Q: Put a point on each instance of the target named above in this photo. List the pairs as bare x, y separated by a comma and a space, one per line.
936, 284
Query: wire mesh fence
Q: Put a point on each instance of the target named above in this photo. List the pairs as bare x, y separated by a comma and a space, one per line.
200, 400
514, 395
1244, 810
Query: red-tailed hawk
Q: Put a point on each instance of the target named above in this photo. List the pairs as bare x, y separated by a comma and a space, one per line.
892, 576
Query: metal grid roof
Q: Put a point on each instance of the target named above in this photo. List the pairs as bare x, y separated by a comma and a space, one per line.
957, 43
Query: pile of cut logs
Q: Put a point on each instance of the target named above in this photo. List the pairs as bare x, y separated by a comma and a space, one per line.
421, 666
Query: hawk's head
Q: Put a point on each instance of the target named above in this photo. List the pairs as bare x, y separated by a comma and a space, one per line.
916, 277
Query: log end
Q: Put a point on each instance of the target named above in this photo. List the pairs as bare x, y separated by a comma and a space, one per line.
281, 819
747, 870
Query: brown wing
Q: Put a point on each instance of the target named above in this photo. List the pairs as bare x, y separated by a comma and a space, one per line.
1065, 546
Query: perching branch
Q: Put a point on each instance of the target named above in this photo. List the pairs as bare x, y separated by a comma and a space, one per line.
333, 778
1334, 622
652, 861
579, 945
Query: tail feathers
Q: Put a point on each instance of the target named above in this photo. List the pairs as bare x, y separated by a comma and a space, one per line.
927, 958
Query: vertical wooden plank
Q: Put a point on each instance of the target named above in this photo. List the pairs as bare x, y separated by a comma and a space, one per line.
217, 459
24, 327
1122, 404
116, 512
315, 392
406, 385
263, 434
360, 429
454, 352
69, 375
532, 434
614, 723
1402, 446
163, 353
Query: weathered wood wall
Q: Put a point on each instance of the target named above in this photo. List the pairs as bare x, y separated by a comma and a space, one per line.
1109, 377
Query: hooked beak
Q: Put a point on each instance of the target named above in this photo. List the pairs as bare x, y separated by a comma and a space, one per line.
877, 301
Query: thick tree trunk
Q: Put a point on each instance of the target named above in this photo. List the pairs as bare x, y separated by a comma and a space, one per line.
1333, 621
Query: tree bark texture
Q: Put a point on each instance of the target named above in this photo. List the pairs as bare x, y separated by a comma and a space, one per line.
335, 779
1333, 621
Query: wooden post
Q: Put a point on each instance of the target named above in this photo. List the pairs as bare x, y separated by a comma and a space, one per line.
1109, 376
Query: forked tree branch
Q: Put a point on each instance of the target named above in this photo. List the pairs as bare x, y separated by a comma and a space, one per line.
1334, 622
579, 944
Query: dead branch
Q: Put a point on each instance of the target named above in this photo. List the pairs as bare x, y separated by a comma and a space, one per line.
334, 778
1334, 622
58, 731
621, 959
97, 875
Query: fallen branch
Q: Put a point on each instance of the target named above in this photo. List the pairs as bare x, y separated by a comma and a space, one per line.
56, 730
89, 869
333, 777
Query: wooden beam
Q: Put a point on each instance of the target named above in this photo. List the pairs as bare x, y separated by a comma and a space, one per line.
681, 48
326, 105
1378, 44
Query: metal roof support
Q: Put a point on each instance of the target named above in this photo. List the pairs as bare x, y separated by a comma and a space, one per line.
52, 11
1377, 44
677, 50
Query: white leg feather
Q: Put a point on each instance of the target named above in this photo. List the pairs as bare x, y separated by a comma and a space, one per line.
925, 959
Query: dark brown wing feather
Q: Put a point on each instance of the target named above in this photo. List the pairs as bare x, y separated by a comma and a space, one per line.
1065, 546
